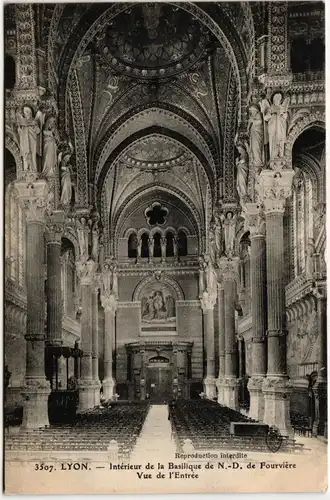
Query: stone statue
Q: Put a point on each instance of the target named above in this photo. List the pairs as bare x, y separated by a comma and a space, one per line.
106, 279
95, 243
28, 128
163, 242
202, 271
82, 232
229, 225
218, 238
66, 180
277, 119
211, 278
242, 171
50, 156
309, 263
256, 134
114, 280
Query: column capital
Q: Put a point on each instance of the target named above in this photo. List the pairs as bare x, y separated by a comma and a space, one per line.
229, 269
34, 197
274, 188
208, 301
55, 228
109, 302
254, 219
86, 271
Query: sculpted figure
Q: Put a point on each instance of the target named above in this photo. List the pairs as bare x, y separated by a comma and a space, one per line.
28, 129
218, 239
106, 279
211, 278
277, 118
82, 232
212, 247
50, 156
256, 133
66, 180
242, 171
95, 243
229, 225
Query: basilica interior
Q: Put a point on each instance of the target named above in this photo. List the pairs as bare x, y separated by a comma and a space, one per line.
164, 176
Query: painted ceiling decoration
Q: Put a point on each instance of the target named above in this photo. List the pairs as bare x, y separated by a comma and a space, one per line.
152, 40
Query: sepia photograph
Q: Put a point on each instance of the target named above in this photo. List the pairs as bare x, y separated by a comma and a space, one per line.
165, 293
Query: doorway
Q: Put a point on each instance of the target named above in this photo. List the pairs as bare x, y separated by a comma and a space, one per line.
159, 383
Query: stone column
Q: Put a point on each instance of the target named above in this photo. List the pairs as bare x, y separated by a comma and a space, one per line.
175, 387
95, 341
275, 188
143, 373
221, 322
207, 305
36, 389
54, 288
256, 226
109, 303
320, 388
86, 272
230, 383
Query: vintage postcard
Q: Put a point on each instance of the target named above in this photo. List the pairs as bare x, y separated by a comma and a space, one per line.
165, 247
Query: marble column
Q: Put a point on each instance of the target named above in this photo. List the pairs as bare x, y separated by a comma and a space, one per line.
36, 388
320, 387
95, 341
109, 303
275, 188
221, 323
54, 288
230, 383
256, 226
207, 304
86, 272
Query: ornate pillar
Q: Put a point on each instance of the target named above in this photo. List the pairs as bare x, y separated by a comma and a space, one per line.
255, 224
36, 388
320, 426
275, 187
230, 383
109, 303
95, 341
54, 288
207, 305
86, 272
221, 323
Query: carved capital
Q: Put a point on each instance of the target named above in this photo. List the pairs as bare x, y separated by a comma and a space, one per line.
254, 220
34, 198
208, 301
55, 228
274, 188
109, 302
86, 271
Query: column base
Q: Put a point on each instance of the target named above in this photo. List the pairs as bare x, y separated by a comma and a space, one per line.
257, 399
35, 405
276, 390
219, 384
86, 394
210, 388
13, 396
230, 387
108, 388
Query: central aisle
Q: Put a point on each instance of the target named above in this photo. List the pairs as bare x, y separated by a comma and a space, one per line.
154, 442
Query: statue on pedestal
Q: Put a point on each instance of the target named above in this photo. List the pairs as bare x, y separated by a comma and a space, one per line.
277, 119
28, 128
50, 155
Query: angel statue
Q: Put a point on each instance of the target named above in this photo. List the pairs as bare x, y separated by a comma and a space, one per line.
277, 119
28, 128
242, 171
66, 177
82, 232
229, 225
256, 134
50, 156
95, 242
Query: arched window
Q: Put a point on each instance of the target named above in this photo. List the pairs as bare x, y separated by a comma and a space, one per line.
132, 246
157, 245
169, 244
15, 244
145, 245
10, 73
182, 244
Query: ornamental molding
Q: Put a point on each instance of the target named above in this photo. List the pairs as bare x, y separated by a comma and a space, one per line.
86, 271
254, 219
274, 188
229, 269
129, 305
34, 197
13, 147
188, 303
